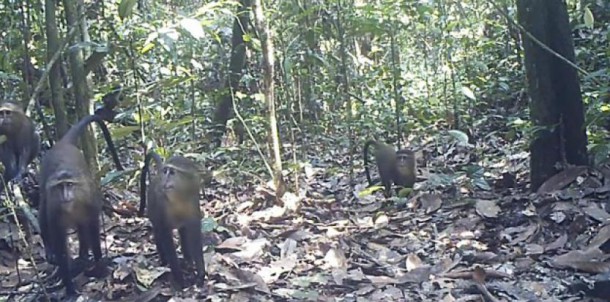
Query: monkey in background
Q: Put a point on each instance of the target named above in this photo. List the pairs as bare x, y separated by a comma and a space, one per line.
396, 167
22, 143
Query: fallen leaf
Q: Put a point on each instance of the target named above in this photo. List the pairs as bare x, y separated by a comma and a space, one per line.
561, 179
487, 208
430, 202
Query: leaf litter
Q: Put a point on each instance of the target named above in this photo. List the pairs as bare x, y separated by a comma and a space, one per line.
463, 234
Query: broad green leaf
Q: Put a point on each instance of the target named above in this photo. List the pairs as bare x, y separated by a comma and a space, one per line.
459, 135
404, 192
123, 131
468, 93
482, 184
589, 19
126, 8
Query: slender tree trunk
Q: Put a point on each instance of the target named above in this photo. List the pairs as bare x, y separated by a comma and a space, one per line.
79, 80
224, 108
556, 104
57, 97
268, 88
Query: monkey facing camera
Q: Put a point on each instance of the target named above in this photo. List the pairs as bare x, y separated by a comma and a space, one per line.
71, 199
173, 195
21, 144
396, 167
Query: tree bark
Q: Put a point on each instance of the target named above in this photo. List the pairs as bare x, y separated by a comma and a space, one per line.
556, 105
57, 94
268, 88
79, 80
224, 108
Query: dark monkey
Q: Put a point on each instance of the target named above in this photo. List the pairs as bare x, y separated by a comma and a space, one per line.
173, 197
70, 198
394, 167
22, 142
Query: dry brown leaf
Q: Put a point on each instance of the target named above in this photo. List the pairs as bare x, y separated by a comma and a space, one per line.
487, 208
335, 258
602, 236
561, 179
597, 213
478, 274
413, 262
560, 242
590, 260
430, 202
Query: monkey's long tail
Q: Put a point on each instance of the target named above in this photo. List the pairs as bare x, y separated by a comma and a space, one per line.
145, 171
76, 130
367, 144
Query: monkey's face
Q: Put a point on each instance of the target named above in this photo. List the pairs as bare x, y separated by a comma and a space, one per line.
176, 179
67, 190
6, 116
405, 161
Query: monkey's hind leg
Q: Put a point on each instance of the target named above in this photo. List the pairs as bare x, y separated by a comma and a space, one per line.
186, 244
192, 235
100, 269
60, 250
167, 249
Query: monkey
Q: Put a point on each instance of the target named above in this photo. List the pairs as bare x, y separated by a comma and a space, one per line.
70, 198
22, 143
174, 204
394, 167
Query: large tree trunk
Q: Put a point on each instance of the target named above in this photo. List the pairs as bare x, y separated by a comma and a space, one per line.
268, 88
79, 80
224, 109
57, 97
556, 104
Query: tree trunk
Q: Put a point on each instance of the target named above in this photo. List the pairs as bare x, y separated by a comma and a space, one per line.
556, 103
224, 108
79, 80
57, 97
268, 88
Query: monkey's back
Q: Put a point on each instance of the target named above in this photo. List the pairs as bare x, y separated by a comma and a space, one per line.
63, 157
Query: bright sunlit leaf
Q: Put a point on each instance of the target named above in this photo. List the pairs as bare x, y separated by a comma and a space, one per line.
468, 93
193, 26
589, 19
459, 135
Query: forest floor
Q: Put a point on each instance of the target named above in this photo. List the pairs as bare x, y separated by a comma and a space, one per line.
456, 238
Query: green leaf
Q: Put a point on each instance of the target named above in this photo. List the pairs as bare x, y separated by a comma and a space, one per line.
208, 224
482, 184
468, 93
459, 135
404, 192
126, 8
123, 131
113, 176
369, 191
589, 19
